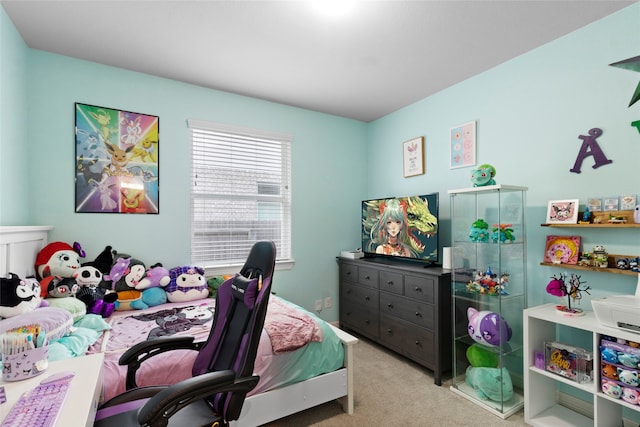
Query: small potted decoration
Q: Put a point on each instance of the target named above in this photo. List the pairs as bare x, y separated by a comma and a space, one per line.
572, 289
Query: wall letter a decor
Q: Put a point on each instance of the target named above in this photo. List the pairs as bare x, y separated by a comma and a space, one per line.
590, 147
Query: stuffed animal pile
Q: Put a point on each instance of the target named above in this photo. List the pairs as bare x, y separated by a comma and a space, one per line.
112, 281
489, 330
620, 369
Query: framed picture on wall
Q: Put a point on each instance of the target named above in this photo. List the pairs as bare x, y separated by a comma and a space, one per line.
562, 212
413, 157
462, 145
116, 161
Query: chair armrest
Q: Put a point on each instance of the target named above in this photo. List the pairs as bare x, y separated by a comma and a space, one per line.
158, 409
138, 353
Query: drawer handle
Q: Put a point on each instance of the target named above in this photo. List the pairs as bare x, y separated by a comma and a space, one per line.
417, 342
367, 277
348, 273
367, 298
390, 283
418, 289
348, 291
389, 331
390, 305
418, 314
367, 321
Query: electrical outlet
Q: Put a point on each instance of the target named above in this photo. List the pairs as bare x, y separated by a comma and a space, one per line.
327, 302
318, 305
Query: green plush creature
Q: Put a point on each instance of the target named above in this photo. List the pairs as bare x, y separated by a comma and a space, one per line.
481, 357
214, 283
486, 382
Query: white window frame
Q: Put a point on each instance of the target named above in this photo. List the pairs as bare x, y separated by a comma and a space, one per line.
280, 197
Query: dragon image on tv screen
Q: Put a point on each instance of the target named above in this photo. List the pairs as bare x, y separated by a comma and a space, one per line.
405, 227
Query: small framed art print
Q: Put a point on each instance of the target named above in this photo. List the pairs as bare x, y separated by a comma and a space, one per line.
562, 212
413, 157
462, 145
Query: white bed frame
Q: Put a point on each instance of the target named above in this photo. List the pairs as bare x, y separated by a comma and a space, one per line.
19, 246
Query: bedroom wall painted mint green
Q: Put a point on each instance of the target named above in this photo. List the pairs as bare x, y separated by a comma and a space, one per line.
530, 112
14, 162
327, 183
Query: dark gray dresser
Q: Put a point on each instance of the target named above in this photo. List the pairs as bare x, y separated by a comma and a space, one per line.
402, 306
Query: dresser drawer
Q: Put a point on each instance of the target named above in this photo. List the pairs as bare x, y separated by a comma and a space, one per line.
349, 272
362, 295
361, 319
391, 282
420, 288
416, 312
368, 277
408, 340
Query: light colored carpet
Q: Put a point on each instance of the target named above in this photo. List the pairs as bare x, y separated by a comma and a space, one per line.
391, 390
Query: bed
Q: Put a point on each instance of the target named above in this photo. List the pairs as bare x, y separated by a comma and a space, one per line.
296, 374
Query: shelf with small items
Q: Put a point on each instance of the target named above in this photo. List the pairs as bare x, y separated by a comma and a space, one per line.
599, 260
611, 267
607, 219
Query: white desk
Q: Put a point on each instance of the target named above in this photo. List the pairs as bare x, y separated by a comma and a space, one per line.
80, 406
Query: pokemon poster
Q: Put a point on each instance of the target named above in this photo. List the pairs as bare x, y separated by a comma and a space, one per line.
116, 161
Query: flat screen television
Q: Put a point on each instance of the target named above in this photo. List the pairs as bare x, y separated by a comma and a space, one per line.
401, 227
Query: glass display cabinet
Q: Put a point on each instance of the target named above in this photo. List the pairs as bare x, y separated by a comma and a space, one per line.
489, 291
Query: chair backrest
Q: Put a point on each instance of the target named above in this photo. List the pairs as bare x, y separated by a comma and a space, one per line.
241, 306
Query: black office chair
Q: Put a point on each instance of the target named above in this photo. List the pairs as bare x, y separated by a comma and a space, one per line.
223, 369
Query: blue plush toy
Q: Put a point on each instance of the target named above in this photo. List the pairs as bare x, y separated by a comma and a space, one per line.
608, 354
483, 175
490, 383
630, 360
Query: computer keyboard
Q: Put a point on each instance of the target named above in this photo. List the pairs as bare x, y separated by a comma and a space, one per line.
40, 406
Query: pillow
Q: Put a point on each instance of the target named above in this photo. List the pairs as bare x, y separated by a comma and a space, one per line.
78, 342
55, 322
73, 305
92, 321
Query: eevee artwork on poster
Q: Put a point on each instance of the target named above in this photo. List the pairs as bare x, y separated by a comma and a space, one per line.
116, 161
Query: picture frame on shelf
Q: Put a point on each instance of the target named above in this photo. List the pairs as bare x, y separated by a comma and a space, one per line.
610, 203
628, 202
562, 249
594, 204
413, 157
562, 211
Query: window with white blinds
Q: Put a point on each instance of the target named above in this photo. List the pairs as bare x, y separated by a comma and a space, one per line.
240, 193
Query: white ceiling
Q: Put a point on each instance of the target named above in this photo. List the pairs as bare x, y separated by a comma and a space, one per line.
381, 56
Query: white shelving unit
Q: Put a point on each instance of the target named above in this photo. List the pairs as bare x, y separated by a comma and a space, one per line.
542, 406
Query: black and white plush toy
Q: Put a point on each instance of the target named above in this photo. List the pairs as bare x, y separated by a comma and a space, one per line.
18, 296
